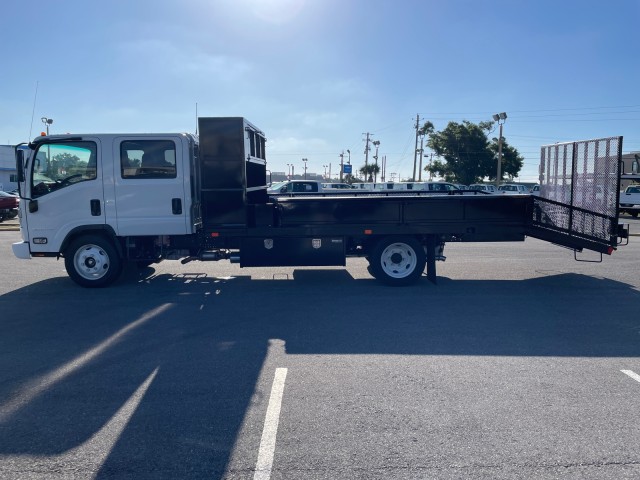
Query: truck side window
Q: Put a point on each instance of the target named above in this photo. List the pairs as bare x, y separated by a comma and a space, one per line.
148, 159
61, 165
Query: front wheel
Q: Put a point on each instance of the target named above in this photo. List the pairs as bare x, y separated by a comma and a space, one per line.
92, 261
397, 261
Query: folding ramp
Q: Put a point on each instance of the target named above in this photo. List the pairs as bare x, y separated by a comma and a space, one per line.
579, 194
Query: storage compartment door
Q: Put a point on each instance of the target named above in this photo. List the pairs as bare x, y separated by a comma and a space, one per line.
292, 252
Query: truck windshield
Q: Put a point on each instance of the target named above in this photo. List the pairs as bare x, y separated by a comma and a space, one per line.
59, 165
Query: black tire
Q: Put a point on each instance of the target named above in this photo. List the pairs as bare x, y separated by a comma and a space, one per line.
398, 261
92, 261
634, 214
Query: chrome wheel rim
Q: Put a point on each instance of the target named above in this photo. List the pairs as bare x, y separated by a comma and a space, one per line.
91, 262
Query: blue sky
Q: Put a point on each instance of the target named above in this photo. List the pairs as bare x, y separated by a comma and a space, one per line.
316, 75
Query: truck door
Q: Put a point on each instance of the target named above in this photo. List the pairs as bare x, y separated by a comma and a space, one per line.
65, 190
150, 185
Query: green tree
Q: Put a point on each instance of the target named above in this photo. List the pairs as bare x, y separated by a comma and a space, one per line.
468, 154
369, 170
65, 162
427, 128
350, 179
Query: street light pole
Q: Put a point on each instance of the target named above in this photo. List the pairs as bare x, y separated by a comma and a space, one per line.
500, 118
421, 153
377, 145
305, 160
415, 151
47, 122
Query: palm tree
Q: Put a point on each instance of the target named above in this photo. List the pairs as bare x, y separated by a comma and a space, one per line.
369, 171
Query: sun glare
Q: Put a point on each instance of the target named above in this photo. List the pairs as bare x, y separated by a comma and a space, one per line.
276, 12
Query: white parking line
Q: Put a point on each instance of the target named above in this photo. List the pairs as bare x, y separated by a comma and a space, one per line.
268, 442
632, 374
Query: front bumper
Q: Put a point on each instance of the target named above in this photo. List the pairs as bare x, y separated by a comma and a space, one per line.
21, 250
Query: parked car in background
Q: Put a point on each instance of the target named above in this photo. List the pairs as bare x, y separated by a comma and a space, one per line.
535, 190
295, 187
483, 187
8, 206
437, 187
513, 189
337, 186
630, 200
407, 186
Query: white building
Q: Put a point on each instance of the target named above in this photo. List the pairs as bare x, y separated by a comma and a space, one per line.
8, 180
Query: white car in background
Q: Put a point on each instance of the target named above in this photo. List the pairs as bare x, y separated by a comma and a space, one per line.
483, 187
513, 189
337, 186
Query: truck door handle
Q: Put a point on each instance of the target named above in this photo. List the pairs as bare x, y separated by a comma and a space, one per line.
96, 211
176, 206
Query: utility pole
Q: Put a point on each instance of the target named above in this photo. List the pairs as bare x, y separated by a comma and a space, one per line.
305, 160
415, 150
366, 150
341, 165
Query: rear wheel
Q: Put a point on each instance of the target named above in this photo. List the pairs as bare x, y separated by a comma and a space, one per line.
397, 261
92, 261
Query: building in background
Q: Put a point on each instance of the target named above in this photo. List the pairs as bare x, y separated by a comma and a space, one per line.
8, 174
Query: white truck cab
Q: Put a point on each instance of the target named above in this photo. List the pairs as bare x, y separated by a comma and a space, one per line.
125, 184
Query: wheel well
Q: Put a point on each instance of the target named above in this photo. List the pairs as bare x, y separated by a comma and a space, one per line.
104, 231
371, 242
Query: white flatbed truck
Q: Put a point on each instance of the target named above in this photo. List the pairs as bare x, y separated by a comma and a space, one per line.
101, 200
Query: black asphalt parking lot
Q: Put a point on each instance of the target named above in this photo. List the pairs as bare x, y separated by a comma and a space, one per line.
519, 363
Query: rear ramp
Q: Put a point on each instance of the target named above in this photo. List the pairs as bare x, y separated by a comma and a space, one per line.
579, 193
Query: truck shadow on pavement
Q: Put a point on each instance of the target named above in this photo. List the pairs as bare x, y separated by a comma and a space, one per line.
72, 358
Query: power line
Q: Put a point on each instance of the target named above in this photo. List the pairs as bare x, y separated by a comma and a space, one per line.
535, 111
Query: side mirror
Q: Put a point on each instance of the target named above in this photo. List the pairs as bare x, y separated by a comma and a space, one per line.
283, 189
20, 165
